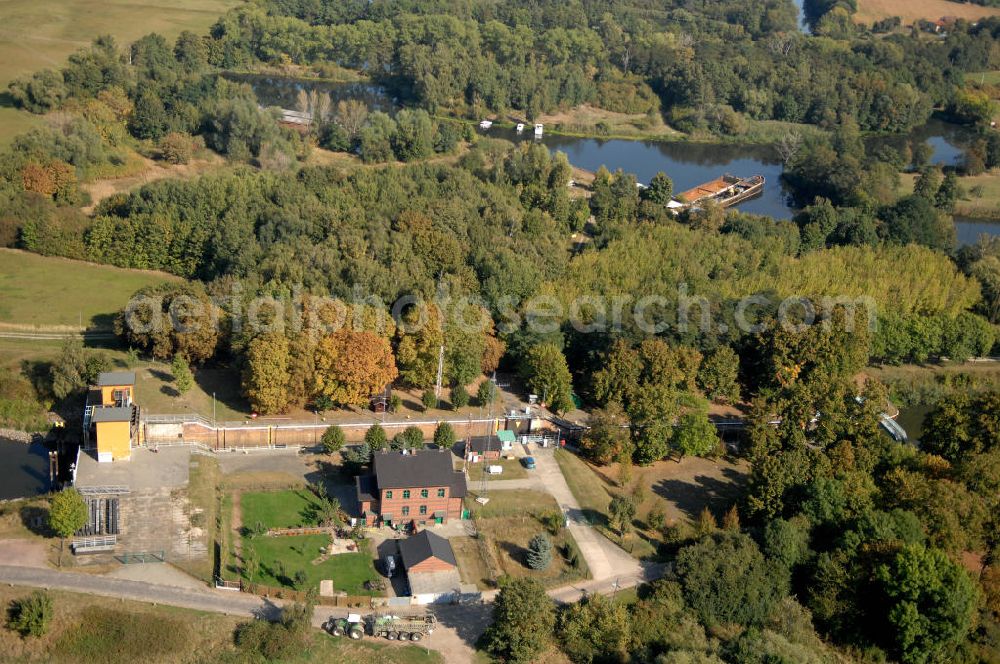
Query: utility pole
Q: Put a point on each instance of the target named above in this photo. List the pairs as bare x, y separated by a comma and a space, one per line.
484, 490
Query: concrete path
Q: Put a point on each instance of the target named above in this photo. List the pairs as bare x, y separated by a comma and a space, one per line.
605, 560
159, 574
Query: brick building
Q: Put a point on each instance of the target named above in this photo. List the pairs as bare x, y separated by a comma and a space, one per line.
411, 488
426, 552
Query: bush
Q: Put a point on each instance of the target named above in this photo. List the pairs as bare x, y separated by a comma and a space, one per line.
487, 393
333, 439
459, 397
395, 403
429, 399
270, 640
31, 615
183, 379
375, 438
656, 517
444, 435
176, 148
553, 521
410, 438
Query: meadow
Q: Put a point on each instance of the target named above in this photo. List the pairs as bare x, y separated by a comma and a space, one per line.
912, 10
43, 291
103, 630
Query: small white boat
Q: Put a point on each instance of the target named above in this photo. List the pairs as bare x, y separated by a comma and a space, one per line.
539, 129
520, 127
485, 124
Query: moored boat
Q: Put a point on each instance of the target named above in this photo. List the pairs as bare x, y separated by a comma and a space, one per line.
725, 191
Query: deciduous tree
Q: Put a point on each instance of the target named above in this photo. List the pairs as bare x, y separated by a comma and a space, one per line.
523, 619
352, 366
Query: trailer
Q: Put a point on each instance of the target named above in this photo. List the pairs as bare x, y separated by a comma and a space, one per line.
391, 627
402, 628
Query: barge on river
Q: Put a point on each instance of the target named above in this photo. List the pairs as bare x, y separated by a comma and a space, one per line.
724, 192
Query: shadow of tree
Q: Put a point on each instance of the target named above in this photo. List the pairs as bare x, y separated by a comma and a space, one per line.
468, 621
517, 553
36, 519
690, 497
169, 390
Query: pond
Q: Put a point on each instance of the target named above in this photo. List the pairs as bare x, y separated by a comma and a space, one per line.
24, 469
687, 164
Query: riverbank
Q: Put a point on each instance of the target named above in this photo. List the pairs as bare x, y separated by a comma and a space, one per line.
767, 132
980, 197
25, 437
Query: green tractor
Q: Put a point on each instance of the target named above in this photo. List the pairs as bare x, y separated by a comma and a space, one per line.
352, 626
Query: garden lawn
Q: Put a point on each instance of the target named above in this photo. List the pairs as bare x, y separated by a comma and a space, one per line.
295, 554
512, 470
279, 509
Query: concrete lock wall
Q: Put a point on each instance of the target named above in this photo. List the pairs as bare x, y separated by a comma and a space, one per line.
264, 434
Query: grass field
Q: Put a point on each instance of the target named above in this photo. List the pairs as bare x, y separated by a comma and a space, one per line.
279, 509
100, 630
911, 10
682, 489
507, 523
40, 34
42, 290
471, 566
155, 390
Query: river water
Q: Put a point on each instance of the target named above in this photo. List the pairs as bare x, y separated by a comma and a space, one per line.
24, 469
687, 164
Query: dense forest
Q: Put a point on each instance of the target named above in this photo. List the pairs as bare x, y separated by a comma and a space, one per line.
322, 284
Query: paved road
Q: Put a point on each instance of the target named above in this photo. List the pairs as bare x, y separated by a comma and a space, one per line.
605, 560
56, 336
206, 599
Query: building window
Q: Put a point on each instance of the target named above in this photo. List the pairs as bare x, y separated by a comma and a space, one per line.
406, 494
423, 509
406, 511
424, 493
388, 495
440, 493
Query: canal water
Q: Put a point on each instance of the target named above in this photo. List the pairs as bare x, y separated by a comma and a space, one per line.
24, 469
911, 419
284, 92
687, 164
